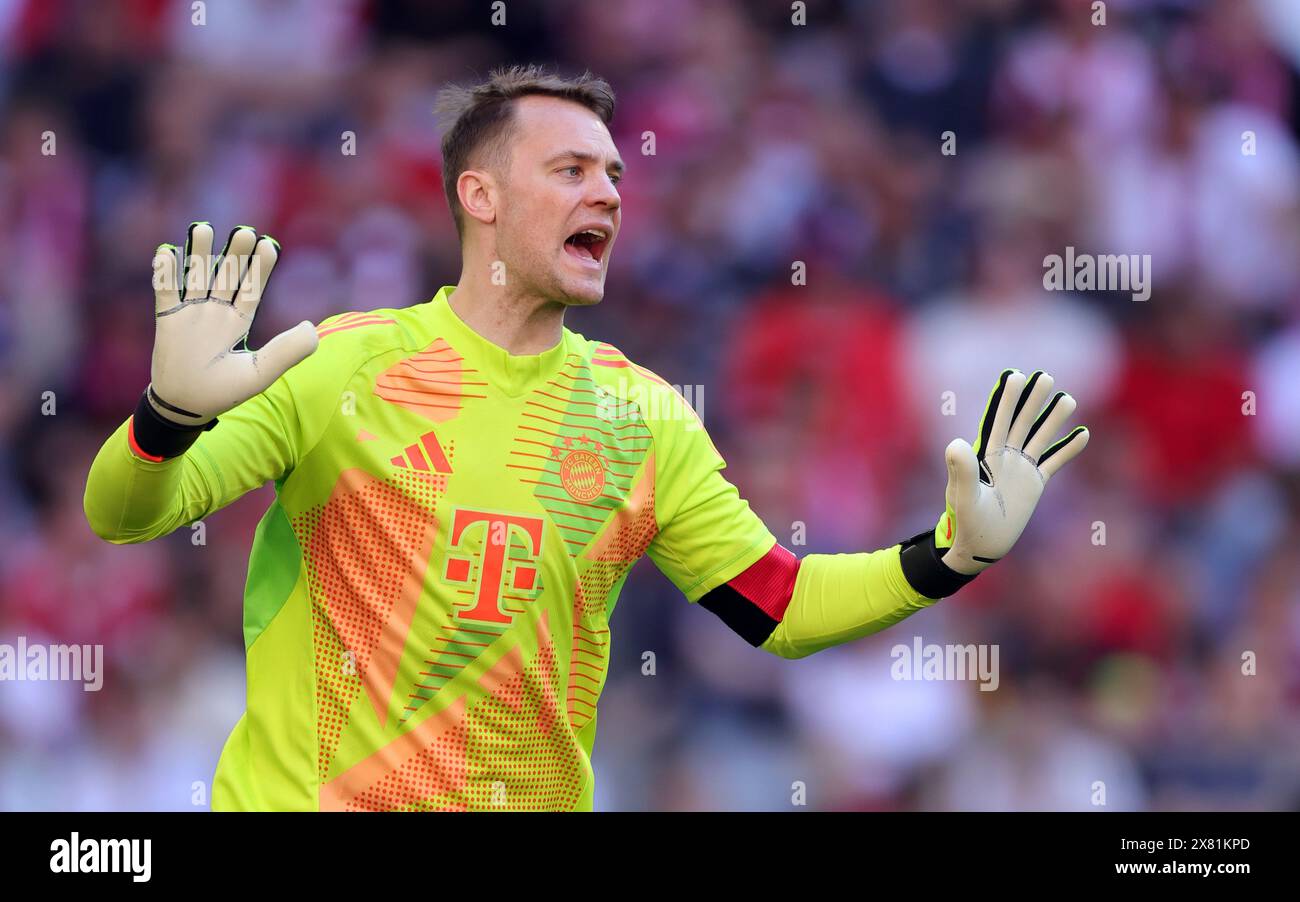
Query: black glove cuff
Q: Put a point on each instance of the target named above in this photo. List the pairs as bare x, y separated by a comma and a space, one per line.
925, 570
158, 437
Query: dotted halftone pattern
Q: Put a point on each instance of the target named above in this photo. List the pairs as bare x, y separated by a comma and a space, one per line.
423, 487
510, 739
631, 529
507, 748
613, 553
582, 478
427, 488
588, 658
361, 548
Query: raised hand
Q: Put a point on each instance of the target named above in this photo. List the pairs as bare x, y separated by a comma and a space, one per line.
994, 486
203, 308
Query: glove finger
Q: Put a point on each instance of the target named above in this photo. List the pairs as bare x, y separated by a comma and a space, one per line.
1063, 451
233, 263
1037, 390
990, 408
197, 261
963, 476
266, 253
287, 349
996, 421
1049, 423
166, 290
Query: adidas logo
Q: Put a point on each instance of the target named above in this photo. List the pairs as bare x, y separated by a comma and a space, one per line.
425, 455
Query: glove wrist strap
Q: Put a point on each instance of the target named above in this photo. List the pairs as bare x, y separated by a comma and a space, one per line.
157, 438
924, 569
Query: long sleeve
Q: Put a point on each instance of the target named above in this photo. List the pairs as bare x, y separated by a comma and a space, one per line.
841, 597
719, 553
129, 499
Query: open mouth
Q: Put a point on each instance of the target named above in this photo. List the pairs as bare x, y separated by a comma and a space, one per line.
588, 245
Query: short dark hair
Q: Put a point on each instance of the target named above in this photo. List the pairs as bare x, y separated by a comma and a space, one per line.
477, 120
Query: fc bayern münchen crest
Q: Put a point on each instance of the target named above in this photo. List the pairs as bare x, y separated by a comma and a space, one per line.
582, 473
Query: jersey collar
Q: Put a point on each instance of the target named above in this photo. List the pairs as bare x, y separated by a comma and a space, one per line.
514, 374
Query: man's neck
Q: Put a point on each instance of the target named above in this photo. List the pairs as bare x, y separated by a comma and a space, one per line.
520, 323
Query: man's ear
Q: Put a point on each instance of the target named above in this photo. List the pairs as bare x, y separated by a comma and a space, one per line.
477, 191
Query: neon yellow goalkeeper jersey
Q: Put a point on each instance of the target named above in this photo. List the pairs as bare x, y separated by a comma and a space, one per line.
427, 609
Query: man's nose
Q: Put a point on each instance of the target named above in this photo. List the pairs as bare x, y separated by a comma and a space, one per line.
606, 194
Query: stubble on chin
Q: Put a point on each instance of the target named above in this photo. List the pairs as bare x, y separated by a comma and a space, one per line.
574, 292
584, 296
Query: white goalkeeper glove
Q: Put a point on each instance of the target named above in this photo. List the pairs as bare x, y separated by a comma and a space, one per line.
203, 308
994, 486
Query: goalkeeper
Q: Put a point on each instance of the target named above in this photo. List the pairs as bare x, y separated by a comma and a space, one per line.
462, 486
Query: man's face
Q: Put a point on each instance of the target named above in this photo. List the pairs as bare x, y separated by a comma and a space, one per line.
559, 208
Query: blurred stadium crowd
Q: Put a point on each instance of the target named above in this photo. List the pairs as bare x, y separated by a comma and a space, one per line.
1167, 551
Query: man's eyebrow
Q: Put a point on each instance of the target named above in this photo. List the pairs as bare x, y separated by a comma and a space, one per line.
616, 164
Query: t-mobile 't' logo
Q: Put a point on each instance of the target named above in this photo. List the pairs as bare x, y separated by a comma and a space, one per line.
496, 541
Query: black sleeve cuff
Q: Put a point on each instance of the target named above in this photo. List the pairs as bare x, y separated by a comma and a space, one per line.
751, 622
926, 571
159, 437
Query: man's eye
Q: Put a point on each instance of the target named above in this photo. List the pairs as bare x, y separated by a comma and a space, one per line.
615, 179
573, 169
